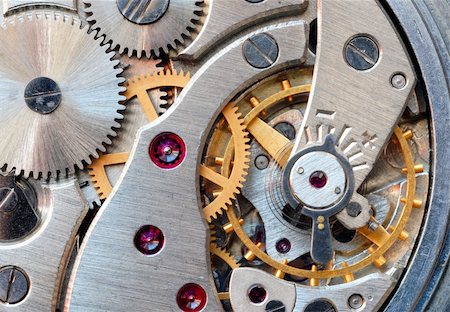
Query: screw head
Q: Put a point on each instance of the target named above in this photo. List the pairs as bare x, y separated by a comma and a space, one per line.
261, 162
398, 81
275, 306
355, 301
261, 51
286, 129
14, 285
8, 199
42, 95
337, 190
361, 53
354, 209
143, 12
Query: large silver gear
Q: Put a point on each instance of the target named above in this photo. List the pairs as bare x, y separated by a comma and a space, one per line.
132, 33
45, 45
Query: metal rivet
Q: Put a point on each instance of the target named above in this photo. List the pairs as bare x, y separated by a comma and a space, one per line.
300, 170
261, 51
14, 285
143, 11
362, 53
261, 162
337, 190
355, 301
398, 81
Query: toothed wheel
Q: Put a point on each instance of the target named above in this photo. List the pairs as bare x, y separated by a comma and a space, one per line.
57, 112
139, 89
144, 26
224, 185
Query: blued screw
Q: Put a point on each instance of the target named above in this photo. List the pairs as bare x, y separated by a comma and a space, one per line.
261, 51
143, 11
8, 199
14, 285
362, 53
42, 95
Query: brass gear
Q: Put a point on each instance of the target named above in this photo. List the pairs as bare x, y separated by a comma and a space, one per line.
380, 239
231, 183
224, 255
137, 87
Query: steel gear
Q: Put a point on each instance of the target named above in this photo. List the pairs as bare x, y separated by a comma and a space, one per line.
139, 88
144, 26
232, 176
72, 111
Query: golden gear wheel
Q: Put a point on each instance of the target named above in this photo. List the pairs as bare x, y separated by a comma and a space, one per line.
380, 240
224, 255
232, 183
137, 87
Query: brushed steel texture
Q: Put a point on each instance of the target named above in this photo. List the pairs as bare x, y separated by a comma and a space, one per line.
373, 288
125, 280
295, 297
222, 22
361, 121
275, 226
243, 279
169, 31
44, 255
9, 6
41, 44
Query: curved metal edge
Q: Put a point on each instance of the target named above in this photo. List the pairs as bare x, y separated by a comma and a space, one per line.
433, 59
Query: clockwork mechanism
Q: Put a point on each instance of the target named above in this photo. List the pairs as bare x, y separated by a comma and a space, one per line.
239, 155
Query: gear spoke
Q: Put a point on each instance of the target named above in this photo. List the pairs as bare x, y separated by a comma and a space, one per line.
213, 176
269, 138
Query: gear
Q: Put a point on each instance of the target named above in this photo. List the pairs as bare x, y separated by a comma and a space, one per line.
139, 88
72, 111
376, 241
230, 180
144, 26
224, 255
382, 239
